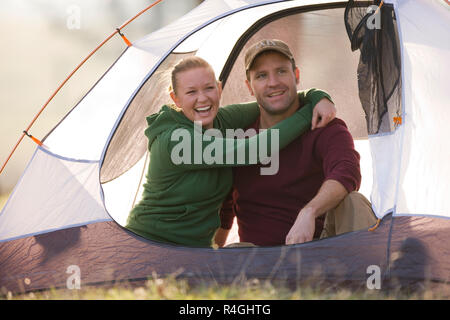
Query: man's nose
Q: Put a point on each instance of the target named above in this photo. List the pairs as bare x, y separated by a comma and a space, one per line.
273, 80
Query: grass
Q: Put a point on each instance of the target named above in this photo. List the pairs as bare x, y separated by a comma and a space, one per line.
174, 289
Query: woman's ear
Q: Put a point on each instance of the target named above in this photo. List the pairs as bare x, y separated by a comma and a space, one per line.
219, 87
174, 98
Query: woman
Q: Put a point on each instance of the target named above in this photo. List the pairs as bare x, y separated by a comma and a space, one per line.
184, 191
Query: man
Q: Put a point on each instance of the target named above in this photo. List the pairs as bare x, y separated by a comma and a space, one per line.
312, 195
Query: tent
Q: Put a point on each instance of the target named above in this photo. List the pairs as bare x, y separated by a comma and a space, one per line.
389, 84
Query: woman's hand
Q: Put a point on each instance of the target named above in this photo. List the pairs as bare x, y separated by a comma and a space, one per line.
323, 113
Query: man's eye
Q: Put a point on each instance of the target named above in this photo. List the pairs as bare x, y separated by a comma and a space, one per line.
260, 76
190, 92
282, 71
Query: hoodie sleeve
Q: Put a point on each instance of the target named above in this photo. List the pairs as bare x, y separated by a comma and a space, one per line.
312, 96
188, 147
237, 116
243, 115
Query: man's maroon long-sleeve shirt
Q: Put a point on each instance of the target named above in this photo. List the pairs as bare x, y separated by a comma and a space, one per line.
266, 206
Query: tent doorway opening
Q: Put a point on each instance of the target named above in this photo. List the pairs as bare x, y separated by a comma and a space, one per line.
320, 43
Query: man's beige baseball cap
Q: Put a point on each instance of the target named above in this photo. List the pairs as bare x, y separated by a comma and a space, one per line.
266, 45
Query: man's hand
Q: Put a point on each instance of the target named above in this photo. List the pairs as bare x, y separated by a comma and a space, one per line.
303, 228
221, 237
323, 113
330, 194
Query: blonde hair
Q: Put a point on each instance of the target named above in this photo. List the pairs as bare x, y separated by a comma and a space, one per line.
188, 64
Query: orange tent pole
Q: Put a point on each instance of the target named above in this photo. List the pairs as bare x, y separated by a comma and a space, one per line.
72, 73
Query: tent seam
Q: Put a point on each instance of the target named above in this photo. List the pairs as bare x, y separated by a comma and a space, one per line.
387, 275
54, 229
402, 132
399, 164
66, 158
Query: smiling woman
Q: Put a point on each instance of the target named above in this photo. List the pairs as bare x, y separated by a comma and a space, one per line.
196, 90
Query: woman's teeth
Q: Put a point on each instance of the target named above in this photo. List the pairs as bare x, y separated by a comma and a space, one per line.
203, 109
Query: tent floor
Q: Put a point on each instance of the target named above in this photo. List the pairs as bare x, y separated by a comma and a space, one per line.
410, 252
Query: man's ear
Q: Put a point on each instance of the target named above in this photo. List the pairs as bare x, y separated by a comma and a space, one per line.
249, 87
297, 75
174, 98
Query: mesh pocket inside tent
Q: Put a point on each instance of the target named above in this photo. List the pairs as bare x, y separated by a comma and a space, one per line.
372, 28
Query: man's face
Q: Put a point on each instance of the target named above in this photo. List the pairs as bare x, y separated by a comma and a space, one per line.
273, 82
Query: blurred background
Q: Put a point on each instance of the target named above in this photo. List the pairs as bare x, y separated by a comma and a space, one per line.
42, 41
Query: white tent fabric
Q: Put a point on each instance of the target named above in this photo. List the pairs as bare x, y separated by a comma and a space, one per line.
411, 170
385, 151
123, 192
52, 194
61, 188
424, 172
100, 109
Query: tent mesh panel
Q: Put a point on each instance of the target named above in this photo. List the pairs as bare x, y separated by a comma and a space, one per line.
374, 33
319, 43
129, 144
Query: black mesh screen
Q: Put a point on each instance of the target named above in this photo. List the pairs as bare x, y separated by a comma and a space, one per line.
372, 28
